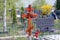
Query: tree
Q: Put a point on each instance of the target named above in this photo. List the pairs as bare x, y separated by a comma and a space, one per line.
1, 7
58, 4
46, 9
5, 5
38, 3
22, 12
9, 4
13, 13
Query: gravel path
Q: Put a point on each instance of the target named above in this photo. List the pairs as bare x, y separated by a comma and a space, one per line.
52, 37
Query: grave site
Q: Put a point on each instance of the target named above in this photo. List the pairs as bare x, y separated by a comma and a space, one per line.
29, 20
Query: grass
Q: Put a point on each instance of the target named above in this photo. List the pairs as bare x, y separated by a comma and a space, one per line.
21, 38
57, 24
13, 30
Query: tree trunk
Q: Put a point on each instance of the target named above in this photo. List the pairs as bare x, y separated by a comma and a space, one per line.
58, 4
4, 28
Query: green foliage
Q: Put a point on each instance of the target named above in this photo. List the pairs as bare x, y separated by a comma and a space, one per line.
38, 3
22, 12
35, 7
13, 13
22, 8
1, 8
58, 4
9, 5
